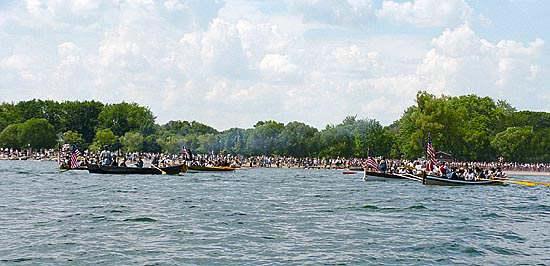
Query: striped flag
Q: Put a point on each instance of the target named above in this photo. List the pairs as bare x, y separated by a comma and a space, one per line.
370, 161
431, 155
74, 157
58, 154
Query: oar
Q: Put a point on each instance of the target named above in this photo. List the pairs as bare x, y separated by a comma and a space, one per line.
162, 171
349, 173
543, 183
520, 182
530, 183
525, 183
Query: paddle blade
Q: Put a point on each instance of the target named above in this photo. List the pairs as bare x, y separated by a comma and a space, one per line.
525, 183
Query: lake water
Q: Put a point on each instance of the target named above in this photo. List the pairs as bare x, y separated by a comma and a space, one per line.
263, 217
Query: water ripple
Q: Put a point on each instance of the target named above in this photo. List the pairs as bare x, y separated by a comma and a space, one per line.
263, 217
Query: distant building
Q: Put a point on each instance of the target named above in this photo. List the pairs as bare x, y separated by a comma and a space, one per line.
444, 157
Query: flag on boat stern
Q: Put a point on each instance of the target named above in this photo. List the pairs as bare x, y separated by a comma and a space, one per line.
370, 161
58, 153
431, 155
74, 157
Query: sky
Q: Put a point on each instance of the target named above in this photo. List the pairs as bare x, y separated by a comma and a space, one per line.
236, 62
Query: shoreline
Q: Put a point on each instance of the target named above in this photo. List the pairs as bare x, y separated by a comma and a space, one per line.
508, 172
526, 173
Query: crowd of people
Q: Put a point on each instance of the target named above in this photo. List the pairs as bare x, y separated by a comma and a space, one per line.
120, 158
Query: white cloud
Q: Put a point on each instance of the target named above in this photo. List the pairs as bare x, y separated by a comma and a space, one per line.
278, 67
426, 13
334, 12
222, 50
67, 11
230, 64
257, 39
16, 61
461, 62
354, 59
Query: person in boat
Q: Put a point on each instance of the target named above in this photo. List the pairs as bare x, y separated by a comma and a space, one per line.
139, 163
455, 174
480, 174
123, 163
444, 170
383, 165
155, 161
114, 161
105, 156
499, 173
461, 174
470, 175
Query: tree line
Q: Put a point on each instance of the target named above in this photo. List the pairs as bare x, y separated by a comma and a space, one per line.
469, 127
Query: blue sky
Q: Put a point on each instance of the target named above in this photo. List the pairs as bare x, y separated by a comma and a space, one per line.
233, 63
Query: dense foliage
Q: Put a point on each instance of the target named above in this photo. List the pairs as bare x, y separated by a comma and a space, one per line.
469, 127
473, 128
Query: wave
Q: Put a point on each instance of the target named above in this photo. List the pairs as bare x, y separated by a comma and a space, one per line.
396, 209
140, 219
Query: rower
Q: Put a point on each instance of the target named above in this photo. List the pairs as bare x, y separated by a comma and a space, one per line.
383, 166
105, 156
444, 170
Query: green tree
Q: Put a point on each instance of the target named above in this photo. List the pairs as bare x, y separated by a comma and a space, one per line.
125, 117
201, 129
369, 134
10, 136
538, 120
172, 143
71, 137
263, 139
132, 141
463, 126
49, 110
208, 143
38, 133
515, 143
151, 144
105, 137
336, 141
234, 141
296, 138
353, 137
8, 115
181, 128
81, 117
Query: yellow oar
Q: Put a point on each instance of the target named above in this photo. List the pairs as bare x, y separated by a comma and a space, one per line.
529, 183
521, 182
162, 171
542, 183
525, 183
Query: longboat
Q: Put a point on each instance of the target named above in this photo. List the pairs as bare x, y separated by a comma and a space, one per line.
442, 181
122, 170
377, 176
198, 169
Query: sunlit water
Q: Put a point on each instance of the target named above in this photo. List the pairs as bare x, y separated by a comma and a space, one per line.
263, 217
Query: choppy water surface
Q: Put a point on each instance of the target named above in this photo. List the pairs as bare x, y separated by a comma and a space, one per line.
263, 217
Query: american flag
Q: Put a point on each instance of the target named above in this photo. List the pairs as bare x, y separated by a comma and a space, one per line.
431, 155
74, 157
370, 161
58, 154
